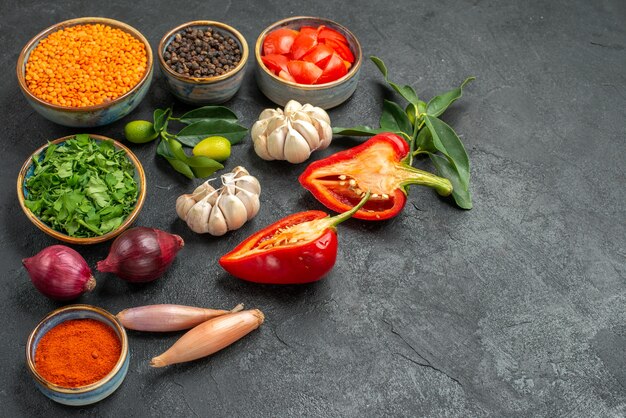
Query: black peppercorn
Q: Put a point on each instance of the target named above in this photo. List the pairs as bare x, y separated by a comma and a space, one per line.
198, 52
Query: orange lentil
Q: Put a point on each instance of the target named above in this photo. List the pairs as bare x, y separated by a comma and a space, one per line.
87, 65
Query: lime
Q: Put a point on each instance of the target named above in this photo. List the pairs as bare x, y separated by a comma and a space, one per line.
140, 131
215, 147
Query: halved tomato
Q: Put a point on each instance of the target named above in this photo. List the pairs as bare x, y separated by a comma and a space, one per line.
279, 41
334, 70
319, 53
303, 43
286, 76
327, 33
342, 49
275, 62
305, 72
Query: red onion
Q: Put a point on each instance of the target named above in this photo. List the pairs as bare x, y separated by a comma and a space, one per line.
141, 254
60, 273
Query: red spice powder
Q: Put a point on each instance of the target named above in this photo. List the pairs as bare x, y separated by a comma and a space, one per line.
77, 352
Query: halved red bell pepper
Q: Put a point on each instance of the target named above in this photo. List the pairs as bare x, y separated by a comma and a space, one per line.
340, 180
300, 248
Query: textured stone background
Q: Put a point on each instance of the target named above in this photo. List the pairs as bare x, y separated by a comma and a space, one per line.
515, 308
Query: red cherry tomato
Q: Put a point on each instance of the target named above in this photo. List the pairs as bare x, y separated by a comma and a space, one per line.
342, 49
327, 33
279, 41
275, 62
304, 43
318, 54
334, 70
304, 72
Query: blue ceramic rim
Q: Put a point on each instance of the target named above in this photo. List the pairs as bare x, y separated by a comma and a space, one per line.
165, 41
30, 45
282, 23
119, 330
21, 179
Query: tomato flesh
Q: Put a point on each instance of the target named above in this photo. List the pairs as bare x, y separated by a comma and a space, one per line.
342, 49
275, 62
334, 70
304, 72
279, 41
303, 44
318, 54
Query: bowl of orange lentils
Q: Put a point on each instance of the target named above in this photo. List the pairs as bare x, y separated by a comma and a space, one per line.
85, 72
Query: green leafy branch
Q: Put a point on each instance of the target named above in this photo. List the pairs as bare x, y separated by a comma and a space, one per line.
200, 123
420, 126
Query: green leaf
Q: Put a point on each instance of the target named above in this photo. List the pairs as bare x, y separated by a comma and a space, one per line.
98, 192
438, 104
160, 118
196, 132
181, 167
448, 143
201, 172
357, 131
405, 91
460, 191
424, 141
200, 161
163, 150
394, 119
208, 112
176, 149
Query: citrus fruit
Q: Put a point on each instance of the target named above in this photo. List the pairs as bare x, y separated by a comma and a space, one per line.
140, 131
215, 147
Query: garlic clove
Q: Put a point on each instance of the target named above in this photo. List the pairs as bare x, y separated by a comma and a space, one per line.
325, 132
316, 112
260, 148
217, 223
296, 148
259, 128
300, 115
183, 204
270, 113
202, 190
276, 143
234, 211
249, 183
240, 171
198, 216
308, 132
250, 201
292, 106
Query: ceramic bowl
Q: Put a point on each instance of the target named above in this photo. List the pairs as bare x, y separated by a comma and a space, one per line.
204, 90
87, 116
27, 171
83, 395
326, 95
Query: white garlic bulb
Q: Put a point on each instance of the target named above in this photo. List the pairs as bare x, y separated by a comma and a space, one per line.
217, 211
291, 134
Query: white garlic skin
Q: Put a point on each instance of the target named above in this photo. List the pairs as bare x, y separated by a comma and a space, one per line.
292, 134
217, 211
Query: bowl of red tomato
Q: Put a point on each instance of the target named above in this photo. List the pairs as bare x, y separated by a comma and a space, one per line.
309, 59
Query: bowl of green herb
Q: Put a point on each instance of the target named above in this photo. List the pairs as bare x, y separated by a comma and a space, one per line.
82, 189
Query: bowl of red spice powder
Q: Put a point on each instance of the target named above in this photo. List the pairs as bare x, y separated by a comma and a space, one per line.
85, 72
78, 354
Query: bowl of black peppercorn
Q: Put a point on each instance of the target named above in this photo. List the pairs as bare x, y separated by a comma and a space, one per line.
203, 62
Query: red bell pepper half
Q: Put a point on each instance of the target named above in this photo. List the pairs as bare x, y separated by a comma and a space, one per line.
340, 180
300, 248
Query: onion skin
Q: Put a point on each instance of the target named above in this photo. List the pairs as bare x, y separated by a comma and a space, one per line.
60, 273
141, 254
167, 318
209, 337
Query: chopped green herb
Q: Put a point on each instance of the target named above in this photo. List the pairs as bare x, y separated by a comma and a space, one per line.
82, 187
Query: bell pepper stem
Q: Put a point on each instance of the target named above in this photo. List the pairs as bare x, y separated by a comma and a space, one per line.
337, 219
424, 178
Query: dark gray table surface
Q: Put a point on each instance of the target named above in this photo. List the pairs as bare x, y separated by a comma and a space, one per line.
515, 308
